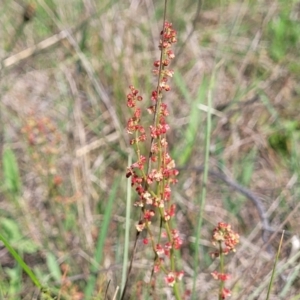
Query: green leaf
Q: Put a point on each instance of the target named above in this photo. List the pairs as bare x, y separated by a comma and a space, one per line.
27, 246
11, 231
53, 266
11, 172
19, 259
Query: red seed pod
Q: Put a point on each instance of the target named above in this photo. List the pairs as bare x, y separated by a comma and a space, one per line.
156, 63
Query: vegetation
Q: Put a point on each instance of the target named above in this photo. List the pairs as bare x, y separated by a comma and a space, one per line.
67, 221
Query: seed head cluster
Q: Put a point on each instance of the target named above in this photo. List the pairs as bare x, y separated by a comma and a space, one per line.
224, 234
225, 239
152, 176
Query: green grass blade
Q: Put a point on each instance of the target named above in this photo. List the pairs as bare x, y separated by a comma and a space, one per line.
127, 228
22, 263
11, 172
281, 269
202, 197
53, 266
101, 241
274, 267
183, 155
292, 279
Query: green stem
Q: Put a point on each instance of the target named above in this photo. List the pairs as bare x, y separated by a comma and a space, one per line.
22, 263
176, 291
274, 267
127, 227
205, 177
221, 270
203, 192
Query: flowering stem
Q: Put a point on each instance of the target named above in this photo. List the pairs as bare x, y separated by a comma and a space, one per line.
221, 270
157, 104
223, 236
152, 177
176, 291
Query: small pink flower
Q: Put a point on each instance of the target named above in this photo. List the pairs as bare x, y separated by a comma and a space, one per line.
225, 293
140, 190
179, 275
164, 234
170, 279
166, 216
169, 73
214, 274
156, 63
168, 246
159, 250
148, 214
170, 54
154, 96
177, 243
219, 276
140, 226
147, 197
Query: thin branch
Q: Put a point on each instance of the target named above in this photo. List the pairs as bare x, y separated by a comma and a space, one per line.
247, 193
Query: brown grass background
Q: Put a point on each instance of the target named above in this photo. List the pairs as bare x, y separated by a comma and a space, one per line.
64, 78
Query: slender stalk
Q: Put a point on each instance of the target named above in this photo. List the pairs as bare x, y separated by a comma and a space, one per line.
127, 227
274, 267
204, 189
22, 263
222, 271
157, 104
205, 177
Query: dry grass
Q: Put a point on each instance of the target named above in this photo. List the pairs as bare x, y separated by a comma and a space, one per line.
72, 65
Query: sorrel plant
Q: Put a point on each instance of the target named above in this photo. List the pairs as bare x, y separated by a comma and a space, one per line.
153, 173
225, 239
